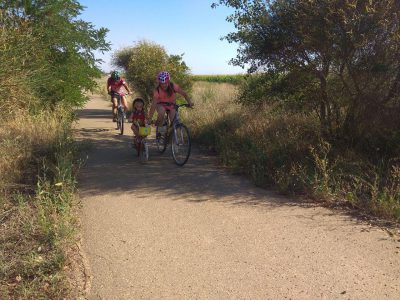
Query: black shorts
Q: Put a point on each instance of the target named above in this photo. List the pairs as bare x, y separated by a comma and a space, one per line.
114, 95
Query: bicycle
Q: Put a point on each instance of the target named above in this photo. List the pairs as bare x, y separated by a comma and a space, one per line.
181, 142
142, 148
120, 113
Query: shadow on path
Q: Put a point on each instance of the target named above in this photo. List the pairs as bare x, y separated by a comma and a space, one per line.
94, 114
112, 167
200, 180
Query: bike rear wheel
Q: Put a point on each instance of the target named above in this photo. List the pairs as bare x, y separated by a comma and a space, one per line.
181, 144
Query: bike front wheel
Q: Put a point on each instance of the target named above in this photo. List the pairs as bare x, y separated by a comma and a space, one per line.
120, 123
181, 144
144, 152
161, 141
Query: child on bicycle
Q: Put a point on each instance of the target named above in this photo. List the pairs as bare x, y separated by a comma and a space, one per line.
164, 97
115, 85
138, 117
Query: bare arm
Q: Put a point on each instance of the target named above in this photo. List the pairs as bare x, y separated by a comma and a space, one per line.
108, 86
127, 88
184, 94
152, 108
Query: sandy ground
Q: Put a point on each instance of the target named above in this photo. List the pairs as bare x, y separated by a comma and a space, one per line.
159, 231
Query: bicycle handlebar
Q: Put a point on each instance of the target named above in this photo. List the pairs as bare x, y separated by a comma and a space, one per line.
177, 106
123, 94
183, 105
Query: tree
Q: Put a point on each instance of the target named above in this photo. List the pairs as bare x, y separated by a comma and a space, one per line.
62, 50
350, 48
143, 61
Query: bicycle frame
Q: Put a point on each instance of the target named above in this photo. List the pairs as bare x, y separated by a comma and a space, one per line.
177, 119
175, 122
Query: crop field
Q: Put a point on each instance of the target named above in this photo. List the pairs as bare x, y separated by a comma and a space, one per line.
233, 79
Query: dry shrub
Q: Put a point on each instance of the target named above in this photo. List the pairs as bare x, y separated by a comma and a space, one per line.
35, 212
23, 140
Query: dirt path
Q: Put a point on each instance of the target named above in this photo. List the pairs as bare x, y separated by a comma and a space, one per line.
158, 231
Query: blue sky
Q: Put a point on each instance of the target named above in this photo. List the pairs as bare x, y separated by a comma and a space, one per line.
191, 27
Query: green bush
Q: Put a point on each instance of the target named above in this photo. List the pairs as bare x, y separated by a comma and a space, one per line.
143, 61
46, 65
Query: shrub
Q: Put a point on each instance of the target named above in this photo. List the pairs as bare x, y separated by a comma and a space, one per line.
143, 61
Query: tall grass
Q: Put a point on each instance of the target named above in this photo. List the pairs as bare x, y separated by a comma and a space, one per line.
36, 202
285, 150
215, 111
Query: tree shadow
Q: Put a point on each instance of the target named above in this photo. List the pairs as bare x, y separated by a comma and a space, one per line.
94, 114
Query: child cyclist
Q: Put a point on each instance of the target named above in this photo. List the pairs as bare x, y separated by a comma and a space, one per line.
164, 97
138, 117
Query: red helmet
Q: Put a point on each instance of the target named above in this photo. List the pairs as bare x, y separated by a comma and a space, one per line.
163, 77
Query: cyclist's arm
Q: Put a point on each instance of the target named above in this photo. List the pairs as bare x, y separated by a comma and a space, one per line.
179, 90
127, 88
153, 107
108, 86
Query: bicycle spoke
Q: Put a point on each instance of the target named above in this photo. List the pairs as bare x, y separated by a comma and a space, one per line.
181, 145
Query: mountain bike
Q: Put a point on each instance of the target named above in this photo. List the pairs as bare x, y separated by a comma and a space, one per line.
179, 135
120, 113
142, 148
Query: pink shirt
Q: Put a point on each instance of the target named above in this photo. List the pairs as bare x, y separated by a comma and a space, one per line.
116, 85
138, 116
162, 96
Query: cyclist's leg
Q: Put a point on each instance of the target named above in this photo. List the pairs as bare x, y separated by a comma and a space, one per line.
114, 106
160, 114
171, 114
125, 103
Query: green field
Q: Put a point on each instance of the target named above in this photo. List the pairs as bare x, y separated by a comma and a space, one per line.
233, 79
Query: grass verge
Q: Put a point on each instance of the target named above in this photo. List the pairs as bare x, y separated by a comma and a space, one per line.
284, 150
37, 222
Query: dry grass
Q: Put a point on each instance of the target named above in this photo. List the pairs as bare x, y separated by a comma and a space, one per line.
214, 105
36, 202
285, 150
22, 141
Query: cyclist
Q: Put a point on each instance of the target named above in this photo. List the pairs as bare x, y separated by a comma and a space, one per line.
164, 98
115, 85
138, 117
